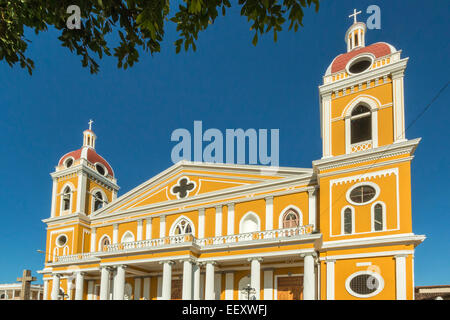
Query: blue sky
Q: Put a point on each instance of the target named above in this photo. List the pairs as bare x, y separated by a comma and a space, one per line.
227, 83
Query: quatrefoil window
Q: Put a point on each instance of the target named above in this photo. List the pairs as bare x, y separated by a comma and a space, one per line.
182, 189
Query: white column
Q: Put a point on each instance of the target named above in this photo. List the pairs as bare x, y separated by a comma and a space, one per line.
268, 284
139, 230
217, 285
79, 285
218, 221
93, 239
312, 207
330, 279
201, 223
187, 280
104, 283
137, 288
400, 276
269, 213
309, 278
45, 290
54, 190
55, 286
146, 289
115, 233
255, 276
229, 285
90, 290
148, 229
81, 192
230, 220
209, 286
196, 286
162, 227
167, 280
119, 283
326, 125
202, 285
159, 288
398, 106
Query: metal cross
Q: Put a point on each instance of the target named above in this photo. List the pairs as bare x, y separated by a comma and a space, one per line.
248, 290
354, 15
26, 284
90, 124
183, 188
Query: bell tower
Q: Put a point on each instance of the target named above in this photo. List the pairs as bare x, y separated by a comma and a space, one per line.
365, 173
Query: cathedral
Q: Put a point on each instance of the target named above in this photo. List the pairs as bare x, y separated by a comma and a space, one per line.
209, 231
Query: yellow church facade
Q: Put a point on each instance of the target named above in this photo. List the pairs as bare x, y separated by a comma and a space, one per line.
339, 230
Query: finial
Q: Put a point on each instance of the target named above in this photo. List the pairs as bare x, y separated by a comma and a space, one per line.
90, 124
354, 15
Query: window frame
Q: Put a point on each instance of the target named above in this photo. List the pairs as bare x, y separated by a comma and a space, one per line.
100, 246
363, 183
177, 221
93, 198
364, 296
285, 210
343, 220
372, 218
71, 191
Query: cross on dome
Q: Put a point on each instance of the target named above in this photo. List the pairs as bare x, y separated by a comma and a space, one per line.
354, 15
90, 124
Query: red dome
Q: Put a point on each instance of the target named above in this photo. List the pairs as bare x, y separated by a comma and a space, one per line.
378, 49
90, 155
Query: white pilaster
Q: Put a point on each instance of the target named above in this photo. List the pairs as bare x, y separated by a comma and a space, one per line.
55, 286
79, 286
309, 280
330, 279
255, 276
326, 125
167, 280
146, 289
218, 221
115, 233
209, 286
81, 192
137, 288
268, 284
217, 285
104, 283
139, 230
159, 288
162, 227
400, 276
201, 223
269, 213
93, 239
229, 285
45, 290
399, 109
54, 191
202, 285
148, 229
187, 280
230, 220
312, 207
119, 283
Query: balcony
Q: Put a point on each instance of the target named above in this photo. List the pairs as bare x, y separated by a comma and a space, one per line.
287, 234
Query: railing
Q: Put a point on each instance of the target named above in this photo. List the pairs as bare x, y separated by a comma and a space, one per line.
280, 234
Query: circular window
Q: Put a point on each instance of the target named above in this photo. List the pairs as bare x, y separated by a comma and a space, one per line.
363, 193
61, 240
364, 284
69, 162
360, 64
100, 169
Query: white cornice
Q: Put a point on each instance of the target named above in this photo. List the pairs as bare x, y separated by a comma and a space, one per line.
408, 238
405, 147
87, 170
74, 217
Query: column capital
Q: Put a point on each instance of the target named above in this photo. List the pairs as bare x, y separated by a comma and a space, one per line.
214, 263
170, 262
81, 273
330, 260
58, 275
268, 198
312, 191
191, 260
304, 254
398, 74
402, 255
123, 266
259, 259
230, 205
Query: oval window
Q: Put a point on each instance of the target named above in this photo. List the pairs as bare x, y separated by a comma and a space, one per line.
61, 240
100, 169
69, 162
363, 194
364, 284
360, 65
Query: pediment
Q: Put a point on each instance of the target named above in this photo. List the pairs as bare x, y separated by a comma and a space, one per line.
187, 180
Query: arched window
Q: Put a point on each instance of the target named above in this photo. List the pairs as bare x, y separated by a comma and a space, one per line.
105, 241
98, 200
182, 227
378, 221
127, 237
66, 198
348, 221
291, 219
361, 124
249, 223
